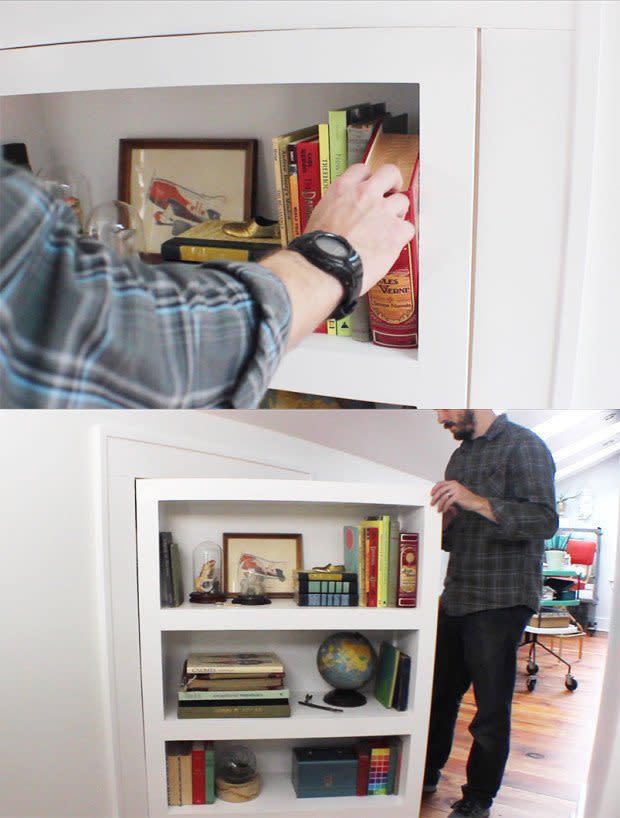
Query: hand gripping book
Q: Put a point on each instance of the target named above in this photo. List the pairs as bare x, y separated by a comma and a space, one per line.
393, 301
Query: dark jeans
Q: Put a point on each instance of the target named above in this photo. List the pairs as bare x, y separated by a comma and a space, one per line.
479, 649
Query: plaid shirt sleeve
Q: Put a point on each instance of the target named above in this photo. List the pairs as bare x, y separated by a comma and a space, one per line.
80, 327
530, 510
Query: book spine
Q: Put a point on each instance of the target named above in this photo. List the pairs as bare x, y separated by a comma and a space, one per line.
384, 555
345, 576
294, 190
235, 711
343, 326
351, 537
372, 561
277, 165
234, 695
235, 671
337, 121
358, 136
186, 777
401, 695
324, 156
227, 674
363, 765
177, 575
326, 586
327, 600
209, 773
360, 321
165, 569
309, 181
198, 773
361, 566
394, 552
393, 301
408, 571
173, 778
286, 189
332, 326
378, 771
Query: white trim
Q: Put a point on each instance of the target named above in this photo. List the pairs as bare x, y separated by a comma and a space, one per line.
101, 436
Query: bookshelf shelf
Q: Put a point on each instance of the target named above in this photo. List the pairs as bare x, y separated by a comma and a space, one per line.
278, 798
284, 614
142, 86
197, 508
304, 722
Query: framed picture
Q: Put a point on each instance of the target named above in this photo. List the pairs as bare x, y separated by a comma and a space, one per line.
273, 558
176, 184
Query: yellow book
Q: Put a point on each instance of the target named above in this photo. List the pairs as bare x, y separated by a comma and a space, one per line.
280, 159
324, 156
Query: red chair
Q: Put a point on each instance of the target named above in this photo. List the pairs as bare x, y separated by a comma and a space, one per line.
582, 553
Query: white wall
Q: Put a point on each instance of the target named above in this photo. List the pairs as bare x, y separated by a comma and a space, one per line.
55, 720
604, 482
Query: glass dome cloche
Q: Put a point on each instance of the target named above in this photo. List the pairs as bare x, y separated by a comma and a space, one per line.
207, 573
65, 182
117, 225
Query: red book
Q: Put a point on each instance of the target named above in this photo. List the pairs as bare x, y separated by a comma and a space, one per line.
372, 562
407, 589
308, 178
198, 772
393, 301
363, 767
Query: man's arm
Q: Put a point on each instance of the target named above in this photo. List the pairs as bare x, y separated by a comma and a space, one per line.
81, 327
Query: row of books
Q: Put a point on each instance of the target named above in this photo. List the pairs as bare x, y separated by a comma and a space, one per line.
190, 772
307, 160
385, 560
392, 678
233, 685
320, 588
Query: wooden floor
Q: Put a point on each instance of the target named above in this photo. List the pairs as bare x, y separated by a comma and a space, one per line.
551, 723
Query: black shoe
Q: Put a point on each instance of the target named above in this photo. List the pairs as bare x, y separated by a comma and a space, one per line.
469, 808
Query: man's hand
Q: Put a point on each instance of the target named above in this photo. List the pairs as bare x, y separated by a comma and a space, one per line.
449, 493
369, 211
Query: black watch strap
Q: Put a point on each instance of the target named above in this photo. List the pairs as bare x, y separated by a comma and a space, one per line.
334, 255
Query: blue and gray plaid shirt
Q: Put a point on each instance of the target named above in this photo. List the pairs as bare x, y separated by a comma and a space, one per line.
79, 327
499, 565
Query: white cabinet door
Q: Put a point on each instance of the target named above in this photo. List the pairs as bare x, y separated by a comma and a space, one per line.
439, 65
526, 123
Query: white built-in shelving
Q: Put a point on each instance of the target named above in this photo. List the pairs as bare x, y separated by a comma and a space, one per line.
198, 509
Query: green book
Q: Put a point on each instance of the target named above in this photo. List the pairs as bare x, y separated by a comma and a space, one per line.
209, 773
238, 696
230, 711
387, 669
337, 121
177, 575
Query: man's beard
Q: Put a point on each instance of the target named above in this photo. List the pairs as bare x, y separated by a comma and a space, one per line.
464, 428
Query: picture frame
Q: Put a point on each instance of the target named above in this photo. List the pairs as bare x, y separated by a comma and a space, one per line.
175, 184
273, 553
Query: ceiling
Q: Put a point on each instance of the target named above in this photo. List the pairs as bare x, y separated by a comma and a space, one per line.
412, 441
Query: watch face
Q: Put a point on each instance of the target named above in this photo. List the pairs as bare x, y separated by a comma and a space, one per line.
332, 245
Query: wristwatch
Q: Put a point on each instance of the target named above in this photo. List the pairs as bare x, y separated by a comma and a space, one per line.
334, 255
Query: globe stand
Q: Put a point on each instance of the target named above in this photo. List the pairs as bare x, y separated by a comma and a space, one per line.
345, 698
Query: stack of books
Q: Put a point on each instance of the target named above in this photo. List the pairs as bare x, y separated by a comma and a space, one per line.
233, 685
326, 587
385, 560
190, 768
378, 766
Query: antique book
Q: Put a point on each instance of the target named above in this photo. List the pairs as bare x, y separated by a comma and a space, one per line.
208, 242
186, 773
231, 695
234, 711
280, 161
338, 119
198, 772
406, 594
401, 688
238, 664
245, 683
393, 301
387, 668
173, 772
318, 600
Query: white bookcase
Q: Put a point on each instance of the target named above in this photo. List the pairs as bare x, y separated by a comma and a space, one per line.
78, 99
198, 509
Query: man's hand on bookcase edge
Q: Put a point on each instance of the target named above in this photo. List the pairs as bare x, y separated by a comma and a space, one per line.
368, 210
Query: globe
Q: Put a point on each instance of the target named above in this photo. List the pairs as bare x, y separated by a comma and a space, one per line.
346, 660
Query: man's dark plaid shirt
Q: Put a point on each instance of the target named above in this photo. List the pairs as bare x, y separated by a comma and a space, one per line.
82, 328
499, 565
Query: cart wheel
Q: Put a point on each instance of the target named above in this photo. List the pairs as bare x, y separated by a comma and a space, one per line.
571, 683
591, 631
531, 684
532, 668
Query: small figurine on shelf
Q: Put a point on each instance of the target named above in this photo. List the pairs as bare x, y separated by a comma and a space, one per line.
252, 573
207, 573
